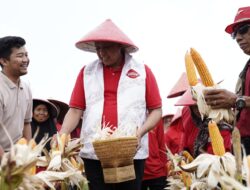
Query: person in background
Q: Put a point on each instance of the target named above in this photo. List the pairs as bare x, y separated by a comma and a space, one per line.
174, 133
43, 120
240, 100
113, 90
167, 120
195, 130
15, 95
155, 166
63, 108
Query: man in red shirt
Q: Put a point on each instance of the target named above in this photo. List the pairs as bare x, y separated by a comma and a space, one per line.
221, 98
114, 90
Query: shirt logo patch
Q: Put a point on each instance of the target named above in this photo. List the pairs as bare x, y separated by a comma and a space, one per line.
132, 74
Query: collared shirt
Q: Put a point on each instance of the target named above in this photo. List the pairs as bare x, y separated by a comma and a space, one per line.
15, 109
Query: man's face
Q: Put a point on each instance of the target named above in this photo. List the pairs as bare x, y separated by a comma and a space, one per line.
242, 36
17, 63
109, 53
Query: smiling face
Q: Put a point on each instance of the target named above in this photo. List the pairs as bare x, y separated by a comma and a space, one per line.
17, 63
41, 113
109, 53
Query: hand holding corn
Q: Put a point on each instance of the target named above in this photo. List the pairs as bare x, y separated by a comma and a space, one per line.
219, 98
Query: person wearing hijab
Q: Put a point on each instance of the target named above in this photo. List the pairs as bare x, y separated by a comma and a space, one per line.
43, 120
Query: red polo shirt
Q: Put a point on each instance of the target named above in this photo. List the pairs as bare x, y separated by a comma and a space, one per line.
111, 80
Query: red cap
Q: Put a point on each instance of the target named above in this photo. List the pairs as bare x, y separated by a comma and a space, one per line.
186, 99
107, 32
243, 15
180, 87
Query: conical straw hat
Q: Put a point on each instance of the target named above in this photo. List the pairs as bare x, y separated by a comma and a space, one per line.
107, 32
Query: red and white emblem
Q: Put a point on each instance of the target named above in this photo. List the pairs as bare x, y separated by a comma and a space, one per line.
132, 74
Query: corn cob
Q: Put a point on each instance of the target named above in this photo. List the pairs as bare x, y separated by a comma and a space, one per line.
188, 156
216, 139
190, 69
22, 141
203, 71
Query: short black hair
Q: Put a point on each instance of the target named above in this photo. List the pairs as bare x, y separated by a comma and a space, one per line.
9, 42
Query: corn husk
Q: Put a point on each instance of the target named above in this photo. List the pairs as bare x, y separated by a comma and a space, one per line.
16, 165
63, 163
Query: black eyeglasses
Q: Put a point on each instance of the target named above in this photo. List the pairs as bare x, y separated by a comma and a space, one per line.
241, 30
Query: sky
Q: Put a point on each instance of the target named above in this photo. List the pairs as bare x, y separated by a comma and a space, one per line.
162, 29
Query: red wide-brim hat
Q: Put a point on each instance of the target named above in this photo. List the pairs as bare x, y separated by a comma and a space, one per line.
106, 32
243, 15
180, 87
186, 99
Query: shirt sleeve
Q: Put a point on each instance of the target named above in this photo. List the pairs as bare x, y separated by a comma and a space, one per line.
77, 99
28, 115
153, 98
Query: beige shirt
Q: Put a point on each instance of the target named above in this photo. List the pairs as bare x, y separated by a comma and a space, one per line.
15, 109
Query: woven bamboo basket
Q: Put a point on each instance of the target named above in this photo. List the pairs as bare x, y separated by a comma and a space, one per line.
116, 156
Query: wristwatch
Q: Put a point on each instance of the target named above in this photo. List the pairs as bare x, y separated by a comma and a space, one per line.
240, 103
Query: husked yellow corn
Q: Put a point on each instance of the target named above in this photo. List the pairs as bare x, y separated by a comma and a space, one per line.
216, 139
190, 69
202, 69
